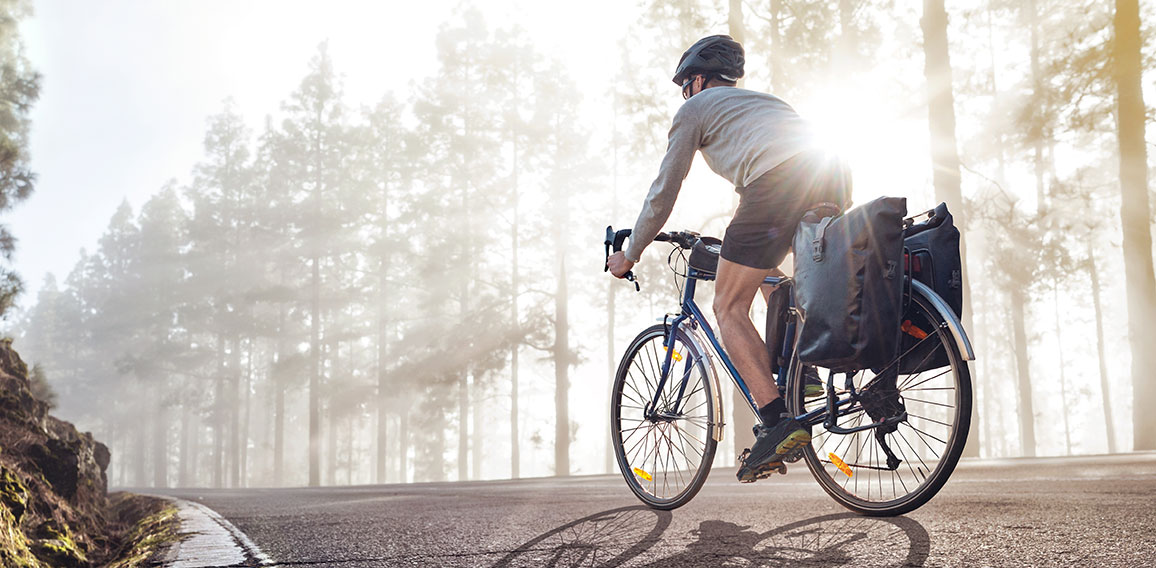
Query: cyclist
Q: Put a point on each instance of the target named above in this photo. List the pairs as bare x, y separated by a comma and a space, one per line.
761, 145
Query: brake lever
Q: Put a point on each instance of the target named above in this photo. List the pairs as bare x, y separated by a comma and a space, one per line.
614, 240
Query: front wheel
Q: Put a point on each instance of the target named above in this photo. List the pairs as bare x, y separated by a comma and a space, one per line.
664, 451
930, 382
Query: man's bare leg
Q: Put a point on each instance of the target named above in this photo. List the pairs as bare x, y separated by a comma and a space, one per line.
766, 289
735, 288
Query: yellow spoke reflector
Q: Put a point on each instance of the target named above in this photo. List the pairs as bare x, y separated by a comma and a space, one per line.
676, 356
643, 474
842, 465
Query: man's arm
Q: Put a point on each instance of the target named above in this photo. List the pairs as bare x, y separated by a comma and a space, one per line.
684, 139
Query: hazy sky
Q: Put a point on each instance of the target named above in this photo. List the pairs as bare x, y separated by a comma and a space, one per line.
129, 84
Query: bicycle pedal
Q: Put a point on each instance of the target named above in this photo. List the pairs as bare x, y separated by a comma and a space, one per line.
741, 459
781, 468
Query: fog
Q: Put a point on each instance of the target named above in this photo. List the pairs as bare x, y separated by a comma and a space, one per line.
407, 285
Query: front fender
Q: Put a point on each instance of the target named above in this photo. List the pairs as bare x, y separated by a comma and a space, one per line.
695, 335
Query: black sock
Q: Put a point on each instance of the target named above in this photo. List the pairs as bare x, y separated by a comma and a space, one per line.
772, 412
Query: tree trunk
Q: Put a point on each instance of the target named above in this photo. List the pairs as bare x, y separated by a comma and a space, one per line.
218, 418
944, 155
279, 434
1026, 411
1134, 219
845, 48
315, 375
776, 45
382, 382
1063, 370
235, 413
1035, 130
246, 421
464, 427
160, 439
516, 320
140, 461
331, 423
989, 410
561, 370
185, 457
1105, 398
331, 419
403, 444
194, 452
477, 449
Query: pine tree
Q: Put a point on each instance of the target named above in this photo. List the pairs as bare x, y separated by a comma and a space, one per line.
1134, 217
19, 88
313, 153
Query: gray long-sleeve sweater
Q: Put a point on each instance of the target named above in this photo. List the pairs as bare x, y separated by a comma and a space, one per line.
742, 135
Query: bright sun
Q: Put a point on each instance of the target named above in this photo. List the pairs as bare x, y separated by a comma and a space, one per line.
879, 136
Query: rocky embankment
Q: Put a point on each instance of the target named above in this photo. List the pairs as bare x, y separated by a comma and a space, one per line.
54, 507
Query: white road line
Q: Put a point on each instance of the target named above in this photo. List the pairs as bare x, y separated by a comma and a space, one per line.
208, 540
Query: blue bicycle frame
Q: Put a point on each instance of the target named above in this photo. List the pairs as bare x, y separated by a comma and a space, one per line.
691, 311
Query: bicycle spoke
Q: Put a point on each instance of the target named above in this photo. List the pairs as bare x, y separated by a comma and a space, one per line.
700, 405
641, 399
917, 456
903, 387
907, 461
644, 438
694, 447
922, 434
670, 444
683, 443
945, 424
907, 398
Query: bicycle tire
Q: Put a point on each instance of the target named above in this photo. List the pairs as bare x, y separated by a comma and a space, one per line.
938, 403
650, 449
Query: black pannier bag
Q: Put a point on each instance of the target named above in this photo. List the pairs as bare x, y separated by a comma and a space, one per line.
849, 286
932, 249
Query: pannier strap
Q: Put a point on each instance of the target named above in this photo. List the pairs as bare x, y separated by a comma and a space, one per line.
827, 211
817, 244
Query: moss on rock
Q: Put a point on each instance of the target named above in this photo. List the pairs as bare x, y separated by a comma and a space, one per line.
150, 523
13, 494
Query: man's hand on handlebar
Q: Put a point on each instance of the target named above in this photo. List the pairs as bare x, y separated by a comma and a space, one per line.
618, 264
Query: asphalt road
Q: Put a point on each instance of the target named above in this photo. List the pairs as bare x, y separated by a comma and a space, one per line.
1086, 511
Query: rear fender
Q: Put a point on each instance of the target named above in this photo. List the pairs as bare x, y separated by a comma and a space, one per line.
956, 328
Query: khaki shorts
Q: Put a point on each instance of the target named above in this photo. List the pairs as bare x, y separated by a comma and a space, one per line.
761, 231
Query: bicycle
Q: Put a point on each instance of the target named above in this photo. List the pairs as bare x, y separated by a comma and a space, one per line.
887, 440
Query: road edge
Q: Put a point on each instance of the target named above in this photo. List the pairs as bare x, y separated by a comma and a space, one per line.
205, 539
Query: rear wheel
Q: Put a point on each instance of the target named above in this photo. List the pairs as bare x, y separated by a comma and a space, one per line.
930, 381
664, 452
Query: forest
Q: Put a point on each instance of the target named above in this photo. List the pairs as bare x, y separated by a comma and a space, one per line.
413, 290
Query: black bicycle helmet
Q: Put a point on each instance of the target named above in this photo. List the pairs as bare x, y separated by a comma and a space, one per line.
719, 55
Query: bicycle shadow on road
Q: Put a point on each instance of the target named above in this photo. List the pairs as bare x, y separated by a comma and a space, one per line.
609, 538
844, 539
618, 536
